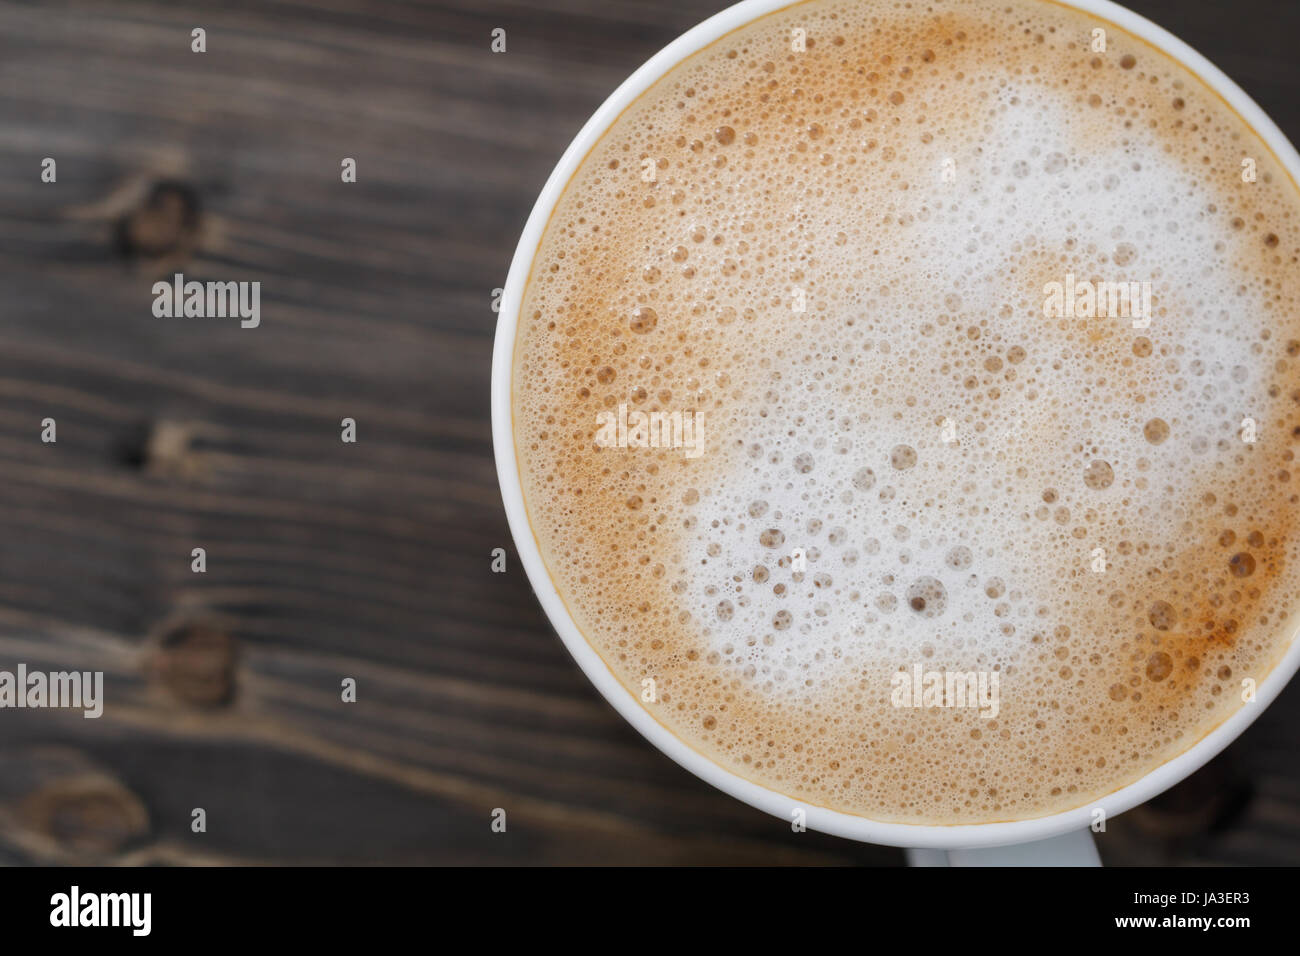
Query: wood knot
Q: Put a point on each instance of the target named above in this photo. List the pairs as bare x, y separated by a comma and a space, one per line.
63, 807
167, 451
197, 663
88, 815
162, 448
165, 224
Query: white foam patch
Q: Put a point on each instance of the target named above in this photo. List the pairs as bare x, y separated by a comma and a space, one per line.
956, 515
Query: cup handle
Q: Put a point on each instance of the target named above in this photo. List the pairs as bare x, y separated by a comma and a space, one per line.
1075, 848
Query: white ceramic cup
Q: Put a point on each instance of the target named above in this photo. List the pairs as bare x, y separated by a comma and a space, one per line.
1058, 838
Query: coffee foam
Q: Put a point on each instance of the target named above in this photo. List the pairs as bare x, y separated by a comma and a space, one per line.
945, 457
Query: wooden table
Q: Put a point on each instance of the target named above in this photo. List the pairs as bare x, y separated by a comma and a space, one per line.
328, 560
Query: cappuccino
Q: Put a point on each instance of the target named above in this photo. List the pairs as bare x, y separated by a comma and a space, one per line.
966, 339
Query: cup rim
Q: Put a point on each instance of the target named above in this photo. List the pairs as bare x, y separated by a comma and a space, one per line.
822, 819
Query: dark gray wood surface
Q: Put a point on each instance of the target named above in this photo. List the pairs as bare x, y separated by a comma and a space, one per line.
370, 560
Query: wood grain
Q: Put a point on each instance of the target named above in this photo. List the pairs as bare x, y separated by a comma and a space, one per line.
328, 560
